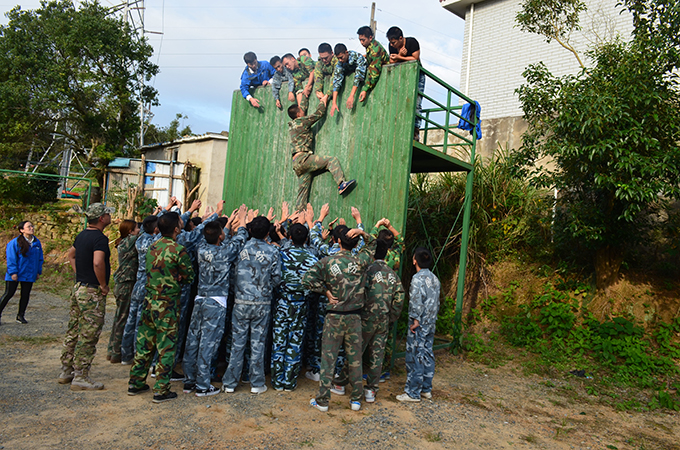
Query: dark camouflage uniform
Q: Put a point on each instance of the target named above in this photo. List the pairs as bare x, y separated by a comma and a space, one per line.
127, 348
168, 266
301, 76
343, 274
321, 71
209, 315
125, 277
289, 318
376, 57
306, 162
423, 306
258, 272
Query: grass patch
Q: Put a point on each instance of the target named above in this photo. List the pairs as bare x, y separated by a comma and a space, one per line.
433, 436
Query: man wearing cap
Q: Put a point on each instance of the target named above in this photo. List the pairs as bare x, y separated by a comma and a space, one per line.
89, 258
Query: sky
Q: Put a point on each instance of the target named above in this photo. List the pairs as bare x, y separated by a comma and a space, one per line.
199, 45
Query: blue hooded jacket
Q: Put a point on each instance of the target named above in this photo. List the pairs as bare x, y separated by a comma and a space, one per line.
467, 113
26, 267
264, 72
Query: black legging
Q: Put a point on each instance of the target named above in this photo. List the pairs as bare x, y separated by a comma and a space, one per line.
11, 289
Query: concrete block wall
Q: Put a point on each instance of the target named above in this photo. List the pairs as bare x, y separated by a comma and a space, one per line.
500, 52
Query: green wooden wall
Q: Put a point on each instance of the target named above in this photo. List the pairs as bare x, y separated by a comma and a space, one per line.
373, 143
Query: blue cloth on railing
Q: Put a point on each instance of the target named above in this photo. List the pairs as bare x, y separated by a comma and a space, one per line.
468, 110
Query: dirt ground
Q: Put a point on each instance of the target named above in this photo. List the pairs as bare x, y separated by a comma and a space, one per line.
473, 407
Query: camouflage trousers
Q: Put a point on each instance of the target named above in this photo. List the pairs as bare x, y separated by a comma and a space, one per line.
205, 333
184, 319
340, 330
253, 318
288, 333
86, 318
374, 338
419, 360
157, 333
127, 346
302, 100
305, 165
316, 316
122, 292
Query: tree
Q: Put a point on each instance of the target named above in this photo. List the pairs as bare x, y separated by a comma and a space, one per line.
156, 135
612, 132
76, 73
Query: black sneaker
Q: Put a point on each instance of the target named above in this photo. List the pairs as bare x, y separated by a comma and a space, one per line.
20, 319
160, 398
176, 376
346, 186
189, 388
135, 390
212, 390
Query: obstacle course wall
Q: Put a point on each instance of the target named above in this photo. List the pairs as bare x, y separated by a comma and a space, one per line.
373, 143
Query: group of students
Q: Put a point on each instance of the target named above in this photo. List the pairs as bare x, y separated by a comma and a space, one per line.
329, 295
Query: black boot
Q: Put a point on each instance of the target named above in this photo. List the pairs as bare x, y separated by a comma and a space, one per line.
20, 319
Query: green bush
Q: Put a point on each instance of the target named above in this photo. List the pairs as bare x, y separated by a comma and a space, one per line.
28, 190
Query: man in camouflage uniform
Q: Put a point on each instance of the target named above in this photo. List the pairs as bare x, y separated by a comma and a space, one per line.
384, 299
325, 67
342, 278
89, 257
281, 73
422, 317
348, 61
258, 272
303, 74
376, 57
291, 311
305, 162
168, 266
216, 254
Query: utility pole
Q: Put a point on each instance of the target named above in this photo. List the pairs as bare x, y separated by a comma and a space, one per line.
373, 24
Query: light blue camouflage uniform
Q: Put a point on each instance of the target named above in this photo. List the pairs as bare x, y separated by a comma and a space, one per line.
423, 306
356, 63
127, 347
208, 317
290, 317
277, 82
258, 272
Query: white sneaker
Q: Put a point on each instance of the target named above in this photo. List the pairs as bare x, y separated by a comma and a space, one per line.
212, 390
337, 389
312, 376
314, 404
258, 390
355, 405
407, 398
369, 395
427, 395
228, 390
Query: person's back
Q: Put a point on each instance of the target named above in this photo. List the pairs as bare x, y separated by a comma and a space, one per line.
167, 270
258, 271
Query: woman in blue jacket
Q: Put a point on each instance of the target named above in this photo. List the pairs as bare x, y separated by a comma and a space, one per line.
24, 265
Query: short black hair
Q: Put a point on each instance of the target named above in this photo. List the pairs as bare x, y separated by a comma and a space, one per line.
380, 249
304, 49
394, 33
423, 257
287, 55
167, 223
250, 57
259, 227
298, 234
149, 224
222, 221
365, 31
325, 48
273, 235
293, 111
346, 242
212, 232
340, 48
196, 220
387, 236
273, 60
338, 231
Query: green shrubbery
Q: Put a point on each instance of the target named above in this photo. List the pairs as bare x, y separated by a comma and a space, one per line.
28, 190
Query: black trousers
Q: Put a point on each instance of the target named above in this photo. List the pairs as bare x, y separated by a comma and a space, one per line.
11, 289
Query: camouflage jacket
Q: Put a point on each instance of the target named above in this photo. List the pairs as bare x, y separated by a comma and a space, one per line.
344, 275
301, 135
215, 262
127, 260
326, 249
304, 70
277, 82
423, 303
144, 241
393, 258
168, 266
356, 63
191, 239
321, 71
376, 57
295, 262
384, 293
258, 272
